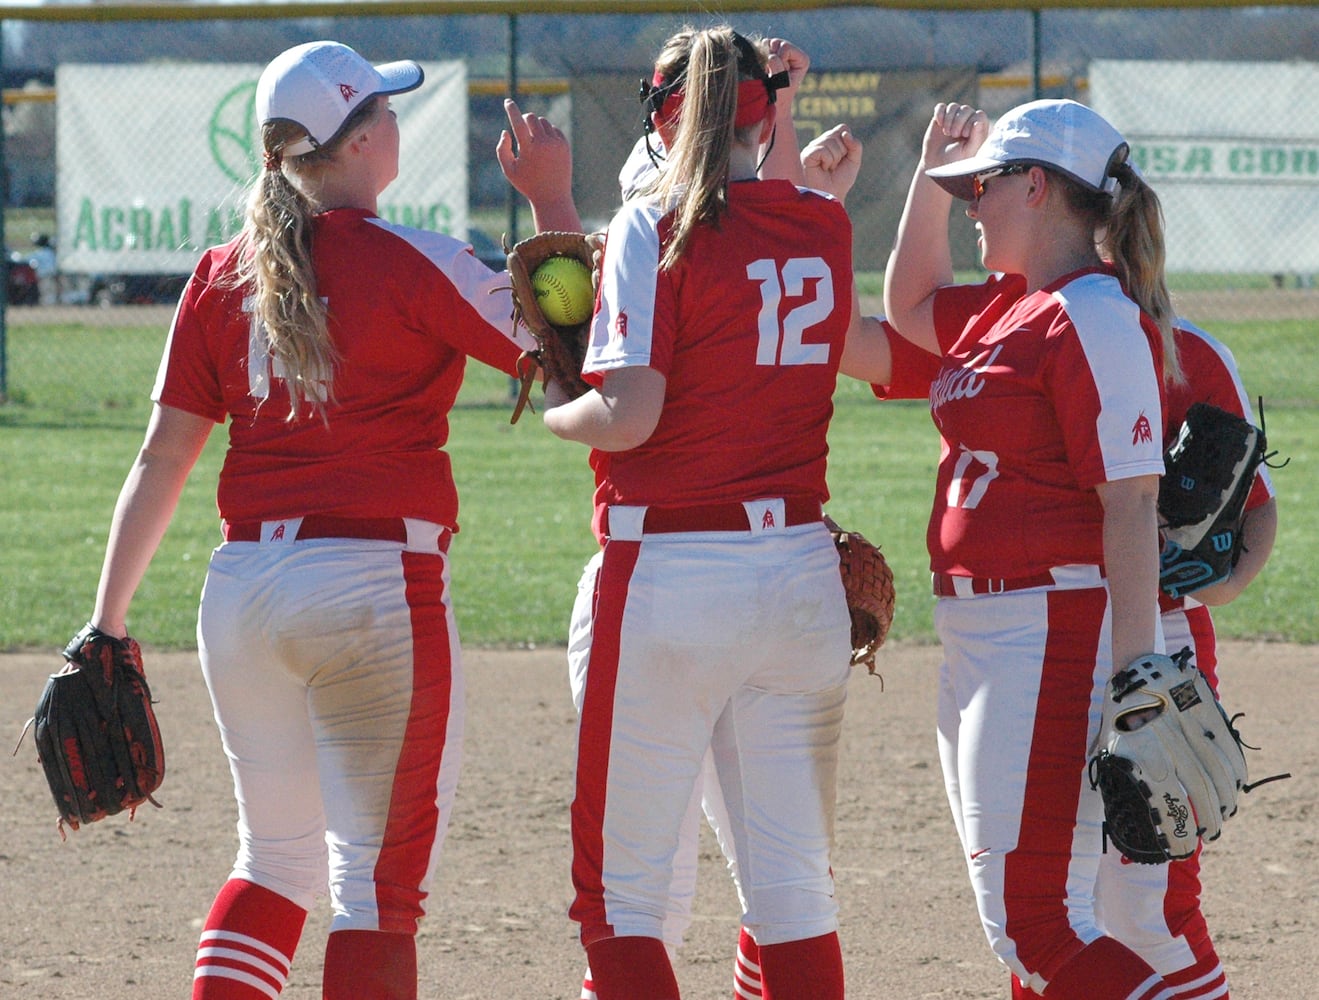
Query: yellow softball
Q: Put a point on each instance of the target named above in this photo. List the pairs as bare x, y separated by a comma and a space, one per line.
563, 290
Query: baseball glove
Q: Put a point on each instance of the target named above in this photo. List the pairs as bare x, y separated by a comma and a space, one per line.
1174, 779
1202, 497
868, 584
560, 350
96, 733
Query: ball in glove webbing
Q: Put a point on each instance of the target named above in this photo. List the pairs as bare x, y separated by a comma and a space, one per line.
563, 290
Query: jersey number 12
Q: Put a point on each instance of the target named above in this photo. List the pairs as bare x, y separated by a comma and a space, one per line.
780, 343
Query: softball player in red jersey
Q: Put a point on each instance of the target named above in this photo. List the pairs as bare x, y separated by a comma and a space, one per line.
718, 619
334, 344
829, 163
1043, 538
1155, 909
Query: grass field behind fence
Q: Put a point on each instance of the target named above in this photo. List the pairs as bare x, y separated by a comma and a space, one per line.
79, 406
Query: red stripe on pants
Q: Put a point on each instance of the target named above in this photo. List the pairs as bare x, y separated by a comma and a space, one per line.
593, 740
414, 817
1206, 643
1035, 872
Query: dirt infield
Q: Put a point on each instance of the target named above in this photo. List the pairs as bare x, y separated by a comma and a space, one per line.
114, 913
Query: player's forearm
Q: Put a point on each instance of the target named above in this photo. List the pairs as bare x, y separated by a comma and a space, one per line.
866, 353
146, 505
783, 157
1258, 531
556, 215
1131, 562
921, 261
621, 415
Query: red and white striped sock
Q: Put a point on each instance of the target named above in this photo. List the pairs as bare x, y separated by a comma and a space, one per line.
1106, 967
746, 969
1205, 980
247, 944
588, 987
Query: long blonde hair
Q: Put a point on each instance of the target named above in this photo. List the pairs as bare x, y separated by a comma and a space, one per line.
695, 183
1130, 222
275, 260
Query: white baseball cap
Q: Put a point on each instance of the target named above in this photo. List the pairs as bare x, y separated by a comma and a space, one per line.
319, 84
1063, 135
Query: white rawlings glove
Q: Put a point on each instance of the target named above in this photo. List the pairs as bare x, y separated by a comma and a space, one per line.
1174, 779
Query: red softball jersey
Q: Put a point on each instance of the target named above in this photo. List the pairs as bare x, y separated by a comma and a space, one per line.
747, 329
1040, 398
406, 309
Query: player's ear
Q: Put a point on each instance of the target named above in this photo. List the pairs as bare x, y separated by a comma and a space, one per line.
357, 144
1037, 185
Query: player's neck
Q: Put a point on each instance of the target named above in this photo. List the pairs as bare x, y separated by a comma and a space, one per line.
742, 164
1056, 254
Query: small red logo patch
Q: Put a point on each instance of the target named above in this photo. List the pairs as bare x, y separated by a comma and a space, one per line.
620, 324
1141, 431
767, 519
347, 92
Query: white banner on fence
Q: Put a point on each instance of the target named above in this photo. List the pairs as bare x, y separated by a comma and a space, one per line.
153, 161
1233, 151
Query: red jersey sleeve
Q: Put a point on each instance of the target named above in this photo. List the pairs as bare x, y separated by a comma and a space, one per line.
189, 374
913, 368
1104, 382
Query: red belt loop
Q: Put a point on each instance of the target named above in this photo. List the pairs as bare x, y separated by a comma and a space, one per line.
725, 516
385, 529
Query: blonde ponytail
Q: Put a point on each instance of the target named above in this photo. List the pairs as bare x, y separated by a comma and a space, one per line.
1129, 224
276, 261
1133, 240
695, 183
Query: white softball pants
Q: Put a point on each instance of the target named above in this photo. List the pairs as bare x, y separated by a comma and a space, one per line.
707, 797
1020, 699
720, 642
335, 674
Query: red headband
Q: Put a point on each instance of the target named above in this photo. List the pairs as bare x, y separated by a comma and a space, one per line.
753, 101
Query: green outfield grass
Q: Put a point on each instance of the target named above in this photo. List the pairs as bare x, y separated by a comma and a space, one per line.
79, 405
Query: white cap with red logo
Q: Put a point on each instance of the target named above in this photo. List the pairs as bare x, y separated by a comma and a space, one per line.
1061, 134
319, 84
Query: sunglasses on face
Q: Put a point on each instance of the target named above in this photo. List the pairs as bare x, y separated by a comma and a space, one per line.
978, 180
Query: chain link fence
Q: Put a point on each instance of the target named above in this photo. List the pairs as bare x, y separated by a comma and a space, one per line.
128, 145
